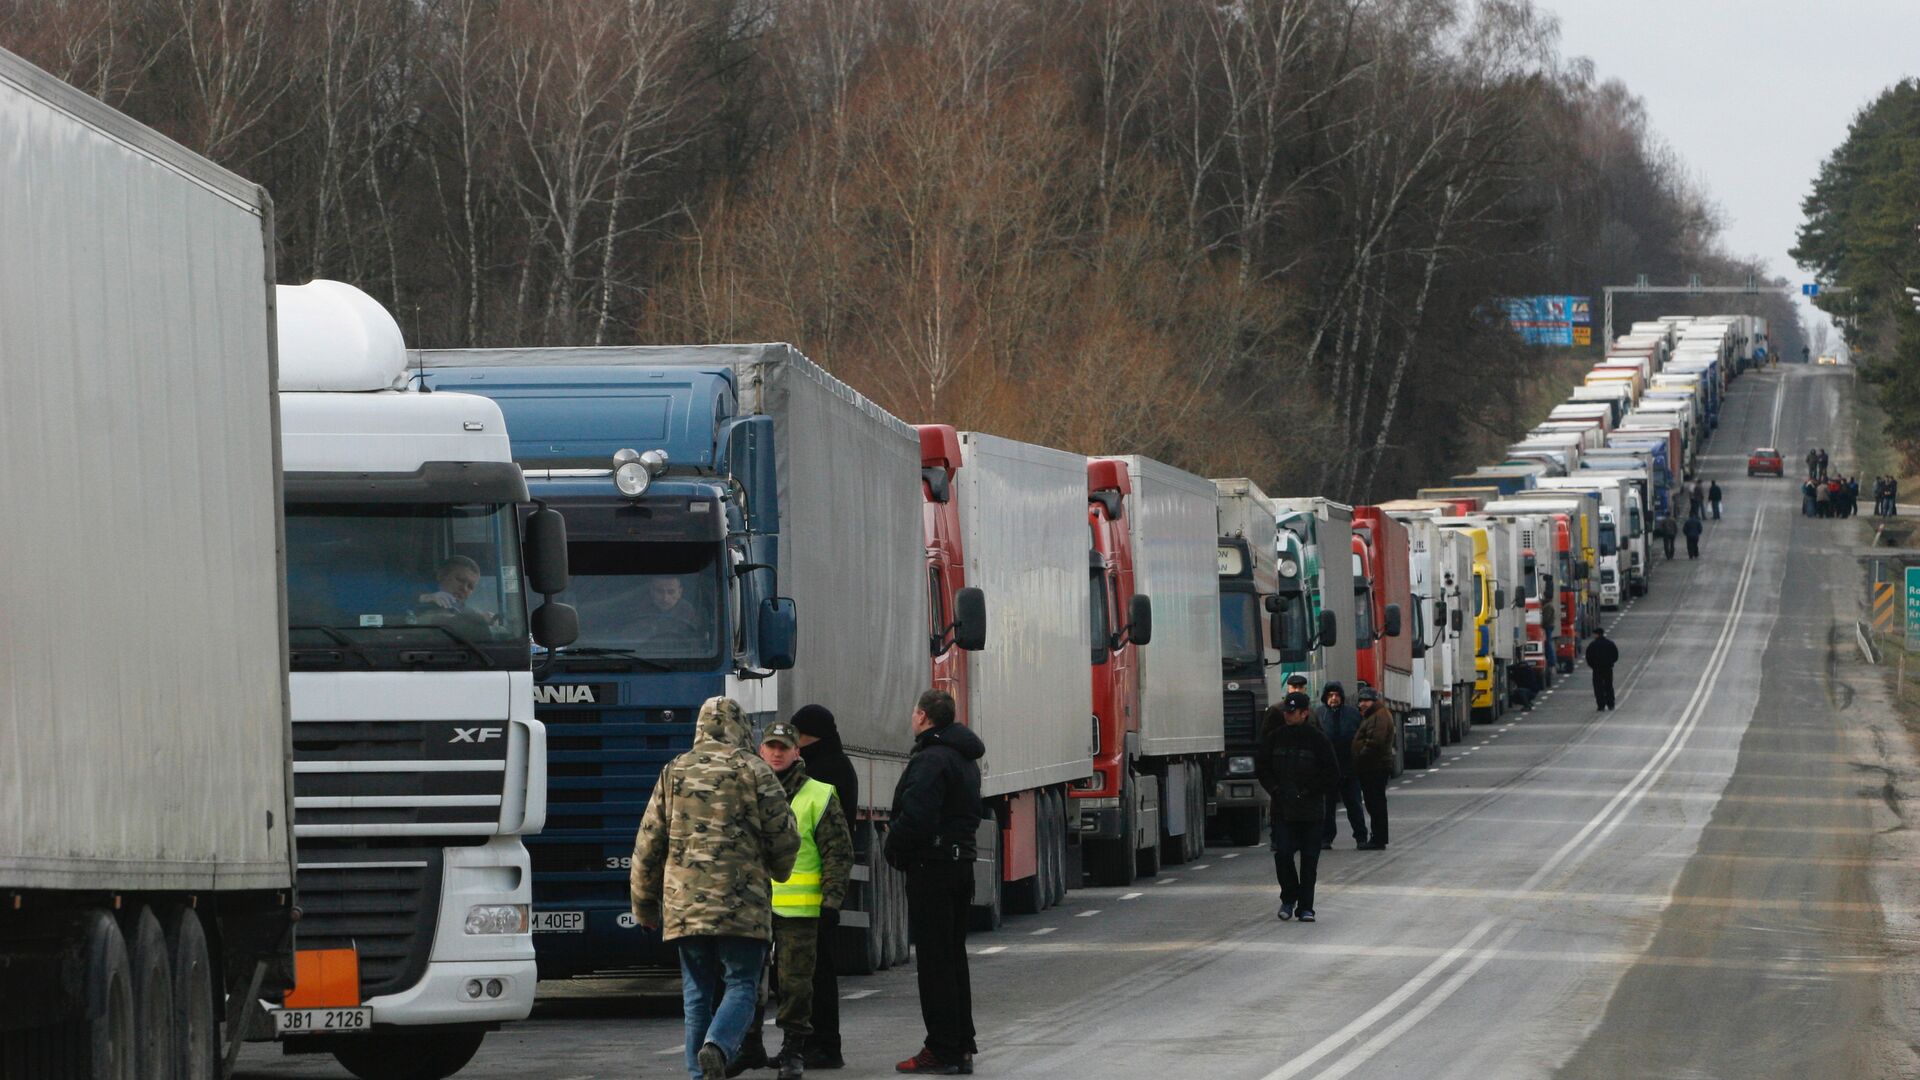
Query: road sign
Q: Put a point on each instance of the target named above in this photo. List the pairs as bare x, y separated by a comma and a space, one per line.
1913, 607
1811, 288
1882, 606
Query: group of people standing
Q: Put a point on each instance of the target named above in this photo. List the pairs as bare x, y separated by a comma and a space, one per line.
1830, 497
1690, 506
1886, 496
739, 851
1311, 761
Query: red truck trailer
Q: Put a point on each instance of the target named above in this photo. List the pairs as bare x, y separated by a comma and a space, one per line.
1382, 590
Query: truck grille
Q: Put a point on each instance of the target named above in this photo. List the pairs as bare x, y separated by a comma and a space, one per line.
382, 902
1242, 718
601, 768
399, 778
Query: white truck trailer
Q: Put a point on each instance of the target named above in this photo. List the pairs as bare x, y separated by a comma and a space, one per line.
146, 855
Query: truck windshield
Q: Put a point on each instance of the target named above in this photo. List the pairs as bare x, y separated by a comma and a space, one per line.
1363, 615
1608, 538
1097, 594
647, 601
1479, 593
400, 586
1240, 645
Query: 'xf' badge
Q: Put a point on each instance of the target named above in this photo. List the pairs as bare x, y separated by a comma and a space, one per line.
475, 734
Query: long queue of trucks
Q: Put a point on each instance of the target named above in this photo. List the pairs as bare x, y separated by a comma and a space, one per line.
295, 756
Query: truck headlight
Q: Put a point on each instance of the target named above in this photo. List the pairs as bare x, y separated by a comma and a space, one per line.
1240, 766
1289, 568
497, 919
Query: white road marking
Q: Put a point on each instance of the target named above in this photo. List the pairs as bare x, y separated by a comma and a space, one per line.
670, 1050
1088, 914
856, 995
1164, 881
1133, 896
991, 949
1596, 829
1203, 866
1043, 931
1231, 855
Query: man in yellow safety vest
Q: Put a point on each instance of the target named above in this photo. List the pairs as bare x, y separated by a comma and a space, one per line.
812, 892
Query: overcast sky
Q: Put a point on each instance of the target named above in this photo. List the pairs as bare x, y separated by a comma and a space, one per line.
1753, 94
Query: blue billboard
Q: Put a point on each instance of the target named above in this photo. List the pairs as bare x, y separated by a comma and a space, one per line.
1550, 320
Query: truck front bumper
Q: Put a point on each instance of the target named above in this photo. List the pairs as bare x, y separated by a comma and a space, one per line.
1100, 819
444, 995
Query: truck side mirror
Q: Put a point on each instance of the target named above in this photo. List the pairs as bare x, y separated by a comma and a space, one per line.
1329, 630
777, 633
1392, 627
1459, 620
1290, 651
1440, 615
1140, 619
970, 619
546, 551
555, 625
1520, 595
1499, 597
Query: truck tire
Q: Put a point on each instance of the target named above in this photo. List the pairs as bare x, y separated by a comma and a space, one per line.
147, 955
1058, 832
1243, 826
1197, 814
857, 948
897, 925
107, 1047
884, 888
196, 1025
404, 1056
1110, 862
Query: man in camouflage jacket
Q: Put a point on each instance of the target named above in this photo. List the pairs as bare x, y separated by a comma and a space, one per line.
716, 832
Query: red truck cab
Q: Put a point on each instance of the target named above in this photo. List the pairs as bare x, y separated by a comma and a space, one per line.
1106, 800
1382, 590
1567, 642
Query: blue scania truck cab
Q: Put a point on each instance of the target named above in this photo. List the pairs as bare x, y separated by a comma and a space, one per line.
671, 503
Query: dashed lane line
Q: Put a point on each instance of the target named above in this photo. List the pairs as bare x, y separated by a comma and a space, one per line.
1087, 914
1132, 896
1043, 931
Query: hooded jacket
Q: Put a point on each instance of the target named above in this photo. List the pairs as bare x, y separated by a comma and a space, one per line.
936, 805
827, 759
716, 832
1602, 654
1339, 725
830, 837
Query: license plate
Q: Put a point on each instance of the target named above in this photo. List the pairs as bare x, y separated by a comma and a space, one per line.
315, 1021
559, 922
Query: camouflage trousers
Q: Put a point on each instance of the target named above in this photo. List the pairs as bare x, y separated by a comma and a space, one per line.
796, 945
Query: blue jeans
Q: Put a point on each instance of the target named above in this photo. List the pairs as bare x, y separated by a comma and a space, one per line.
719, 982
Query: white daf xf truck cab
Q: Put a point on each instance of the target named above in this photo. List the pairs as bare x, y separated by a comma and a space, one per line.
418, 765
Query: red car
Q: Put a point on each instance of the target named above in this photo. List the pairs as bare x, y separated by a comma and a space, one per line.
1765, 462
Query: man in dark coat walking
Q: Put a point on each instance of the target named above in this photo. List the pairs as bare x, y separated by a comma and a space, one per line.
1693, 529
1667, 530
1713, 497
828, 763
1338, 721
1295, 765
1373, 763
1602, 654
936, 811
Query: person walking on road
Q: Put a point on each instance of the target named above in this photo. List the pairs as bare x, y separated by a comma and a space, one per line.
1602, 654
1697, 506
1296, 766
1713, 497
1823, 464
1813, 464
1807, 506
803, 901
1339, 720
1373, 764
936, 812
1667, 530
828, 763
1693, 530
716, 832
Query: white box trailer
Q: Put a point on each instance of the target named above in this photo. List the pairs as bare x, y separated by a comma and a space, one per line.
1023, 526
145, 805
1172, 517
852, 556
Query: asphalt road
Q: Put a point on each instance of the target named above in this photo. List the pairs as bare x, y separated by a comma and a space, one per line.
1713, 880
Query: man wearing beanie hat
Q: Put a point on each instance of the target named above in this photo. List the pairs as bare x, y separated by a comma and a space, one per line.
1296, 766
827, 762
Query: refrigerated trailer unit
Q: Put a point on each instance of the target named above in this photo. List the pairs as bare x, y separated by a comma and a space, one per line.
148, 829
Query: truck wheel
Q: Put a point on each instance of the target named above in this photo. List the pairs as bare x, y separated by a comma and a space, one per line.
1243, 827
1197, 815
433, 1056
196, 1030
897, 922
857, 948
152, 992
1062, 882
107, 1049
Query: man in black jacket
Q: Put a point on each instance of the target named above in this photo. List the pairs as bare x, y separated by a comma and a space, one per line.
828, 763
1602, 654
1339, 720
1296, 766
936, 809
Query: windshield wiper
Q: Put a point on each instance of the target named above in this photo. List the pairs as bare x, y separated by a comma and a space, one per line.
599, 652
338, 638
464, 641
